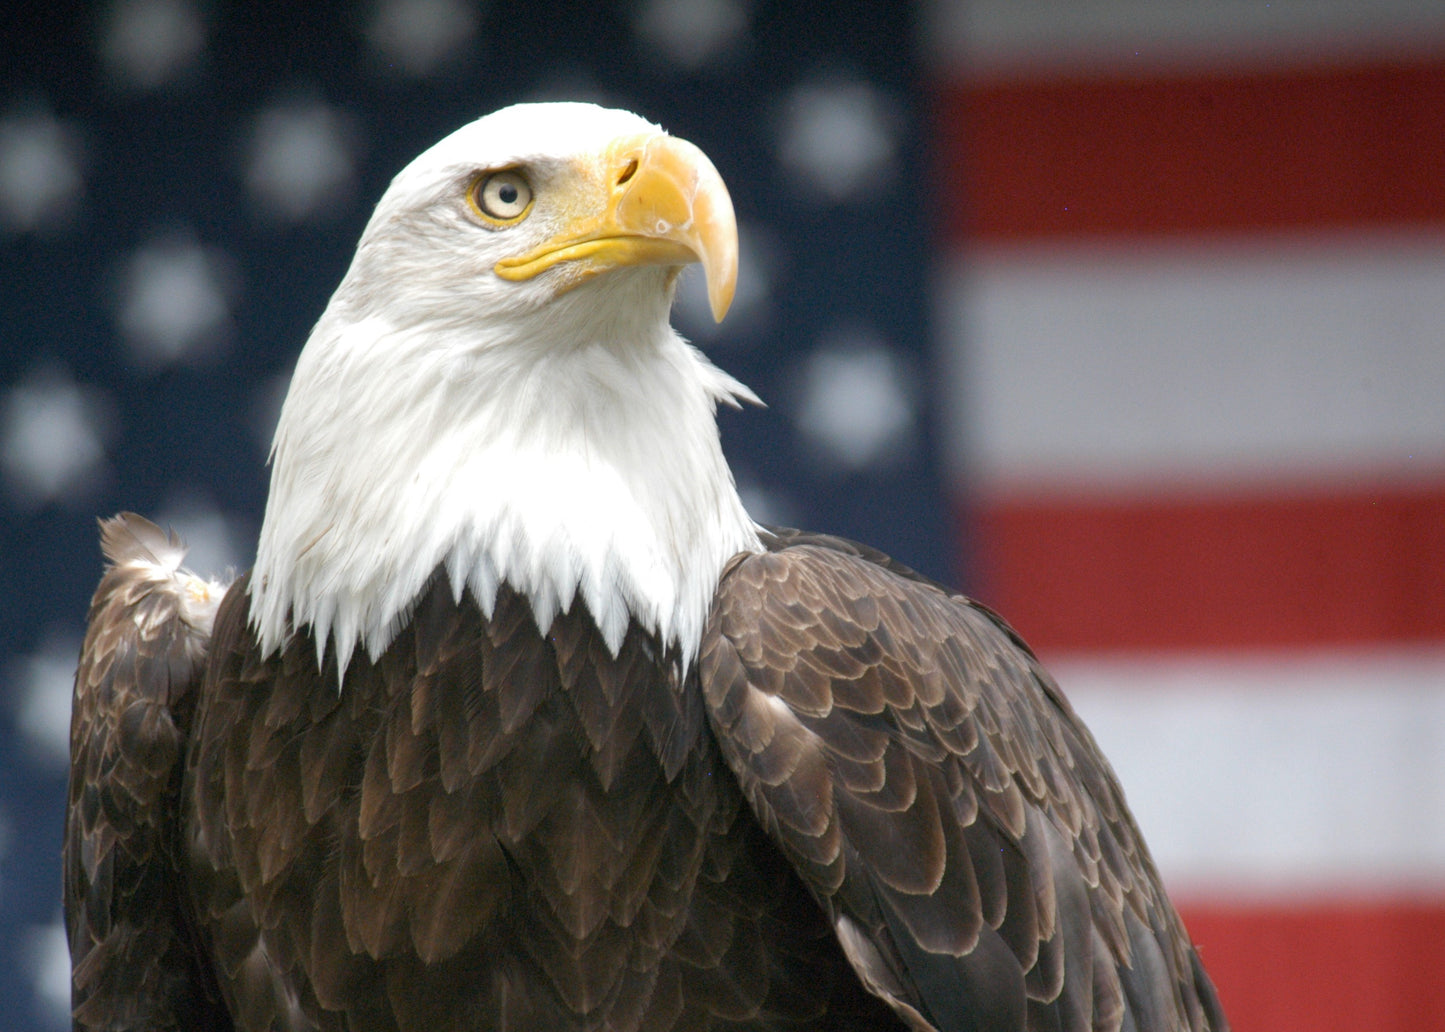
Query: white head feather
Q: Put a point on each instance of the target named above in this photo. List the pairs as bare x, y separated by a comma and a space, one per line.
440, 416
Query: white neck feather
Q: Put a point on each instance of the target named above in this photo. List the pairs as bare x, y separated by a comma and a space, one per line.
564, 466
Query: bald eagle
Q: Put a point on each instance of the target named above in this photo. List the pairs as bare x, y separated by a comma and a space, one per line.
521, 722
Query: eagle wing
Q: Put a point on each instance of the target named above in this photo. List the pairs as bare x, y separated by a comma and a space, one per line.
950, 813
133, 959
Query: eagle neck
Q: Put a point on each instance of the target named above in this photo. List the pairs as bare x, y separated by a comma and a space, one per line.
589, 470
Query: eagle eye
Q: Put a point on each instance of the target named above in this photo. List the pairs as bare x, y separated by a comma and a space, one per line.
503, 196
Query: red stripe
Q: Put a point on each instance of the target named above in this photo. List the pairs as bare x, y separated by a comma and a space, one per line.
1347, 567
1327, 968
1089, 157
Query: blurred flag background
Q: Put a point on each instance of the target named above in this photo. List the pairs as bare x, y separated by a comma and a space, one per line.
1126, 316
1192, 304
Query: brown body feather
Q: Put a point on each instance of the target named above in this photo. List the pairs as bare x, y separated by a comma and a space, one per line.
953, 816
865, 807
134, 956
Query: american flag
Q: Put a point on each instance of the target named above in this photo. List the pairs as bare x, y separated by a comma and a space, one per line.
1193, 298
1124, 316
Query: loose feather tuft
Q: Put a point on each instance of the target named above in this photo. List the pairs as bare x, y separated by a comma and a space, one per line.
130, 541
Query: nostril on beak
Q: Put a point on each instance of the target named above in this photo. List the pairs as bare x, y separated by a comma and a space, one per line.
628, 172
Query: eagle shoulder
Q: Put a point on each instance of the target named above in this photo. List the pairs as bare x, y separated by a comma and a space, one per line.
949, 811
133, 959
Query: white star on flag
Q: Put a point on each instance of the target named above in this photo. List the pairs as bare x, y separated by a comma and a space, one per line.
839, 136
47, 955
856, 402
299, 161
148, 43
41, 686
175, 304
692, 33
40, 177
53, 435
215, 541
420, 37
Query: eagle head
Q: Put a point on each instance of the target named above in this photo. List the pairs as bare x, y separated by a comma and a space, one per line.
495, 391
536, 201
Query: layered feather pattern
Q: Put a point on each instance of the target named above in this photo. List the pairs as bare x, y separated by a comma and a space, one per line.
955, 819
867, 806
491, 829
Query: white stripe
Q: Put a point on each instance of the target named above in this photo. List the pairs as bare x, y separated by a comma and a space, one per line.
1241, 362
1282, 776
983, 37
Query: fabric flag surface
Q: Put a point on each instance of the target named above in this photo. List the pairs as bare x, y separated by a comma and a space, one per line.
1193, 298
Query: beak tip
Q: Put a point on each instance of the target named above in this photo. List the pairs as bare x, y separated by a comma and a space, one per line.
720, 300
720, 267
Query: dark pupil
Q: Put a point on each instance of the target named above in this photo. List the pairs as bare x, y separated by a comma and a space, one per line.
507, 194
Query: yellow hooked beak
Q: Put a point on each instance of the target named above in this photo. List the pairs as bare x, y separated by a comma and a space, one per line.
662, 203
